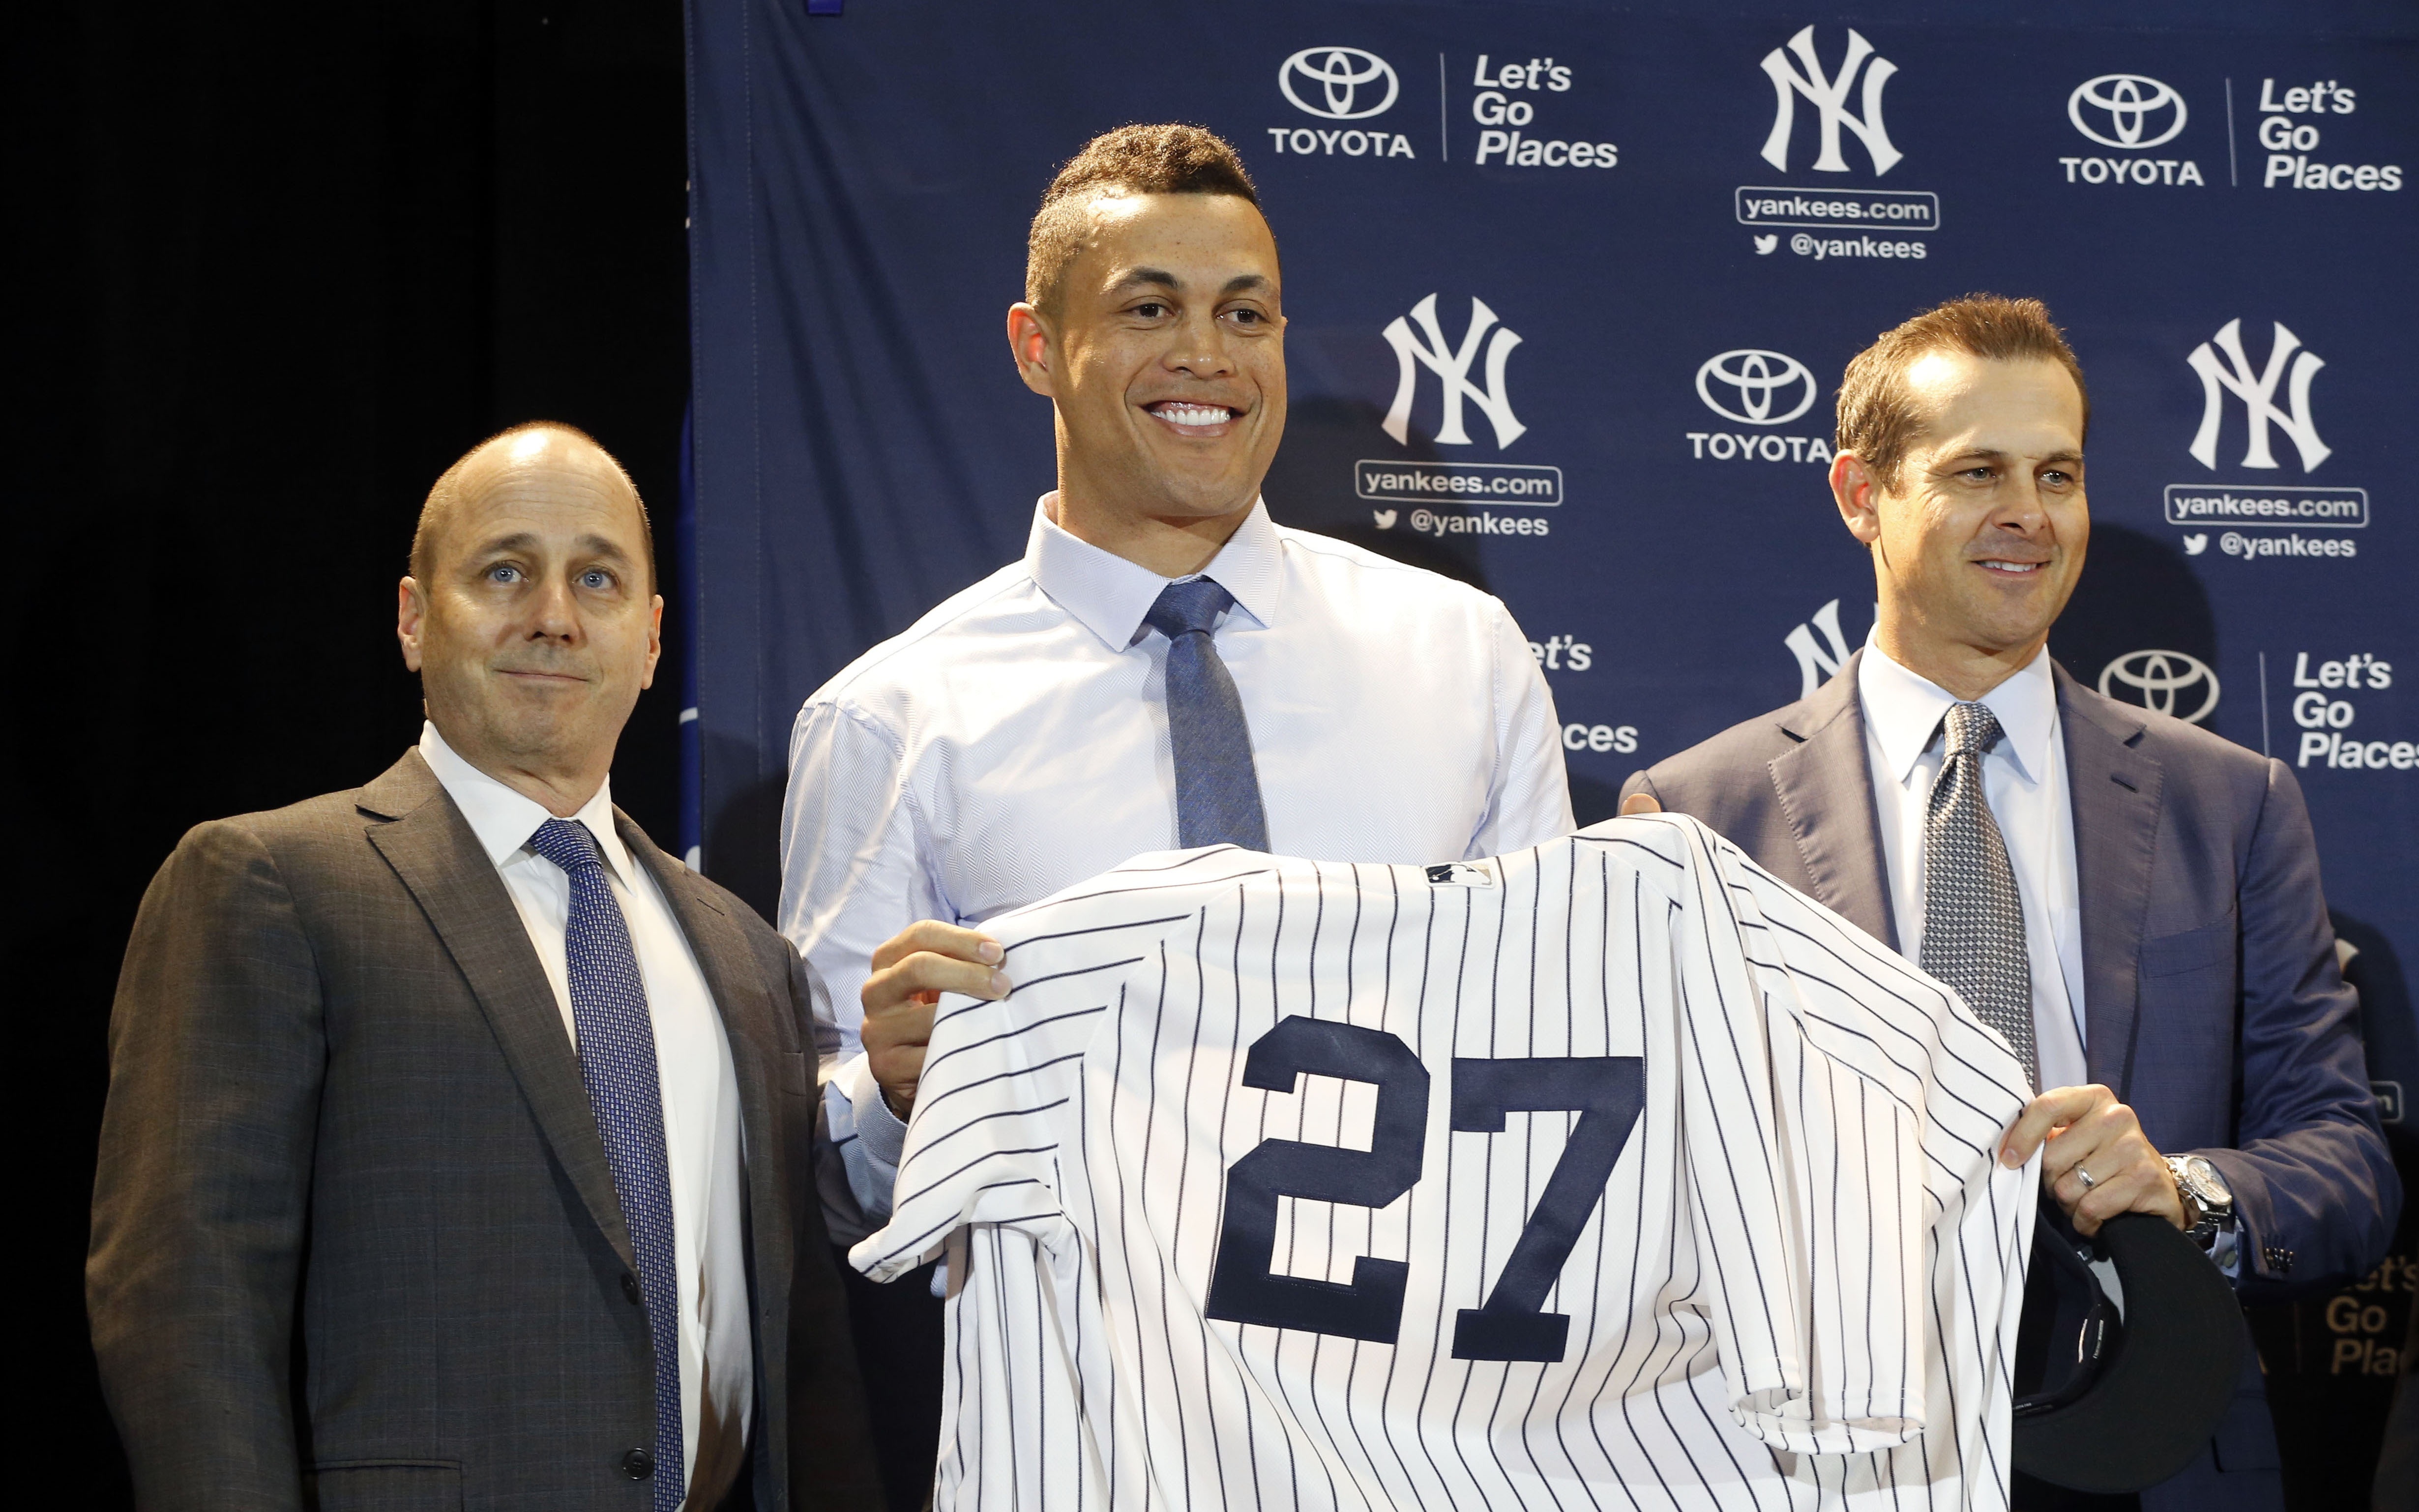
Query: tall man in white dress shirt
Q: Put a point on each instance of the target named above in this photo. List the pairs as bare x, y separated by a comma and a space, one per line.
1042, 726
2133, 902
454, 1137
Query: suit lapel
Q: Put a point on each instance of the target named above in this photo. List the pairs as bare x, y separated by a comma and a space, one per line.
2114, 791
747, 1015
431, 846
1826, 788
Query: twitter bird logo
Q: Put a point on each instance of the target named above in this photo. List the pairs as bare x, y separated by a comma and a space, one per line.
1764, 245
2195, 544
1385, 518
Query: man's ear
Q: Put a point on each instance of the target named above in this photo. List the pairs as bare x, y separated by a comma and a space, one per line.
654, 641
1858, 493
410, 618
1035, 347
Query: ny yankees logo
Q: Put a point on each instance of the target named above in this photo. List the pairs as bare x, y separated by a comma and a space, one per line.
2258, 396
1451, 365
1831, 98
1813, 663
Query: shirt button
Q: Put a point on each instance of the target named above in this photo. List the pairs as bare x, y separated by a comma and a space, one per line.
630, 1290
639, 1464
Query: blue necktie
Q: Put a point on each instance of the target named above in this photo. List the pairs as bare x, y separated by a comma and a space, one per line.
1217, 788
617, 1060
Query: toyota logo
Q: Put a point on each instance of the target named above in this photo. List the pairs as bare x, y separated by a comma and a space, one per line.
2159, 677
2130, 100
1340, 75
1761, 378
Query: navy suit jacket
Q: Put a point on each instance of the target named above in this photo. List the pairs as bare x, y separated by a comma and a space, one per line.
2213, 1003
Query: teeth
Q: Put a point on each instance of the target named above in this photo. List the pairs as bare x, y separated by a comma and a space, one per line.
2013, 566
1195, 413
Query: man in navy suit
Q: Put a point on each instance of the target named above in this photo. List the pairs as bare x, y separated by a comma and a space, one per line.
2150, 889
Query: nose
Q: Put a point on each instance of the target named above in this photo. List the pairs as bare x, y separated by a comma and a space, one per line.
2021, 507
554, 612
1200, 349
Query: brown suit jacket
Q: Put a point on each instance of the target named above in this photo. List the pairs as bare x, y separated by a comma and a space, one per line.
354, 1240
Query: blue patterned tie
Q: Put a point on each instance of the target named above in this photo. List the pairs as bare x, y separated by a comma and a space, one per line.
617, 1059
1217, 788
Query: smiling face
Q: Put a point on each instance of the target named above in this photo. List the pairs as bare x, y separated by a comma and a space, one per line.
1164, 357
1977, 542
536, 625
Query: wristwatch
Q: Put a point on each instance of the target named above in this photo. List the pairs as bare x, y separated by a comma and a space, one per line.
2200, 1185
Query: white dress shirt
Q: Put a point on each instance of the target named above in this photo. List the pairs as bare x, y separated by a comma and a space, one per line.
2024, 779
701, 1091
1014, 741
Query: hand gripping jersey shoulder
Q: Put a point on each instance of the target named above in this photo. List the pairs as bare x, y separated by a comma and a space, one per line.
1609, 1173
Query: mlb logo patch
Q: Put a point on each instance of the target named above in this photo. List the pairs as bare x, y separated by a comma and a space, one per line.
1462, 874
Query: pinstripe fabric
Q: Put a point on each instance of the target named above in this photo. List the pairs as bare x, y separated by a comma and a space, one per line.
1797, 1288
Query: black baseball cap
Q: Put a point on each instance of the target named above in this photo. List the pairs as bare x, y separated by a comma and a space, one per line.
2117, 1393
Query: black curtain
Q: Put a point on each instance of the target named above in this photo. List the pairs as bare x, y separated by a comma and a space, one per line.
289, 262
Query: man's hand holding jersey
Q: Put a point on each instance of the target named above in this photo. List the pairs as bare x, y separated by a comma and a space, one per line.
911, 969
2098, 1163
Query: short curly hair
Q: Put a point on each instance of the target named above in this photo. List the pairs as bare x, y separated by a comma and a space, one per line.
1878, 418
1132, 160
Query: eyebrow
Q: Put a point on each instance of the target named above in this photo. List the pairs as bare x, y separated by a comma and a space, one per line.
1161, 277
1995, 454
593, 545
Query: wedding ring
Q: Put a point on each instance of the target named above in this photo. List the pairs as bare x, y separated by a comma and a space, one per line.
2085, 1177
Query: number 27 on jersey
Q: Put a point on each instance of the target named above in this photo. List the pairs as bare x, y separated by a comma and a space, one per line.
1606, 1091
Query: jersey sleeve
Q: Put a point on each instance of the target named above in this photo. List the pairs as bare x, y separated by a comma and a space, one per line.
1822, 1153
996, 1133
996, 1136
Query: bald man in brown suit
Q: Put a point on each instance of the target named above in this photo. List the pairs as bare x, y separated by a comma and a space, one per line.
363, 1233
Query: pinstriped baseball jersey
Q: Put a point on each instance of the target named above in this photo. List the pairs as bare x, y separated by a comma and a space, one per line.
1611, 1173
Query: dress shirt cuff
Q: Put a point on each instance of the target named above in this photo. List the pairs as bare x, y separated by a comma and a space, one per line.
856, 1186
2225, 1252
877, 1128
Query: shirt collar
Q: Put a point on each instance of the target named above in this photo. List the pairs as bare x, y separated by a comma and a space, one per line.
1109, 595
1904, 710
504, 819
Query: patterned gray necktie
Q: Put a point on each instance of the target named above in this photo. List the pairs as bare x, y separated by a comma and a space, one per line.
1217, 787
1973, 919
617, 1060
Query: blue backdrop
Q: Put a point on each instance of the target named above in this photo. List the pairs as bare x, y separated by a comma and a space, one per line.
1570, 292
